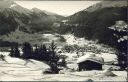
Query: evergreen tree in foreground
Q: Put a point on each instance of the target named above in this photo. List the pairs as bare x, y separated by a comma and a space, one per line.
54, 57
27, 50
14, 52
120, 33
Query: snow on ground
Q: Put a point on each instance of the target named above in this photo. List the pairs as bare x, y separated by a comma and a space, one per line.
71, 40
84, 76
108, 55
4, 53
15, 69
91, 57
29, 63
13, 5
50, 37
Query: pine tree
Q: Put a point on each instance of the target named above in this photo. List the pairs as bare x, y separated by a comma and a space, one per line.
44, 54
27, 50
16, 51
44, 48
54, 57
12, 52
35, 52
52, 46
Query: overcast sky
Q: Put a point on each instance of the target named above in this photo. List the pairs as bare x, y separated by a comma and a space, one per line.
65, 8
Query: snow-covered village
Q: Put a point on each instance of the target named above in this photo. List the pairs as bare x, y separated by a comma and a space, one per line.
89, 44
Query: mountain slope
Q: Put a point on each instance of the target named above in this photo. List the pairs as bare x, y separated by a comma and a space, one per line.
10, 20
14, 6
105, 4
53, 16
92, 22
6, 4
13, 15
96, 7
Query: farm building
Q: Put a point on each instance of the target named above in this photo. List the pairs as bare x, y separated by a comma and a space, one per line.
90, 62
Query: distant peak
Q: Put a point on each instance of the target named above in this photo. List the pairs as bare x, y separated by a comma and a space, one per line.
13, 5
104, 4
7, 3
36, 9
44, 11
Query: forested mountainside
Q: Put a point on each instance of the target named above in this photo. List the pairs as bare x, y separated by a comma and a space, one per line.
13, 15
93, 22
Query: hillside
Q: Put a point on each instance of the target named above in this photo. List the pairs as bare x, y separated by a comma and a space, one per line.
42, 21
13, 15
105, 4
93, 22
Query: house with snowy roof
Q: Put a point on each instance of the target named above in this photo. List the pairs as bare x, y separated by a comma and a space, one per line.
90, 62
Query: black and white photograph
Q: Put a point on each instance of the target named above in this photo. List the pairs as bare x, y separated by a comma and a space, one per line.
64, 40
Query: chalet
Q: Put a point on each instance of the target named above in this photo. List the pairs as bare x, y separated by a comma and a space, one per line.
90, 62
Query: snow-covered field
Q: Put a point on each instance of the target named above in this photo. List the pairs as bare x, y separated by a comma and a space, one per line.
20, 70
15, 69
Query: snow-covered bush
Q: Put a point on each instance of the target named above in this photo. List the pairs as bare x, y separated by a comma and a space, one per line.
2, 57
